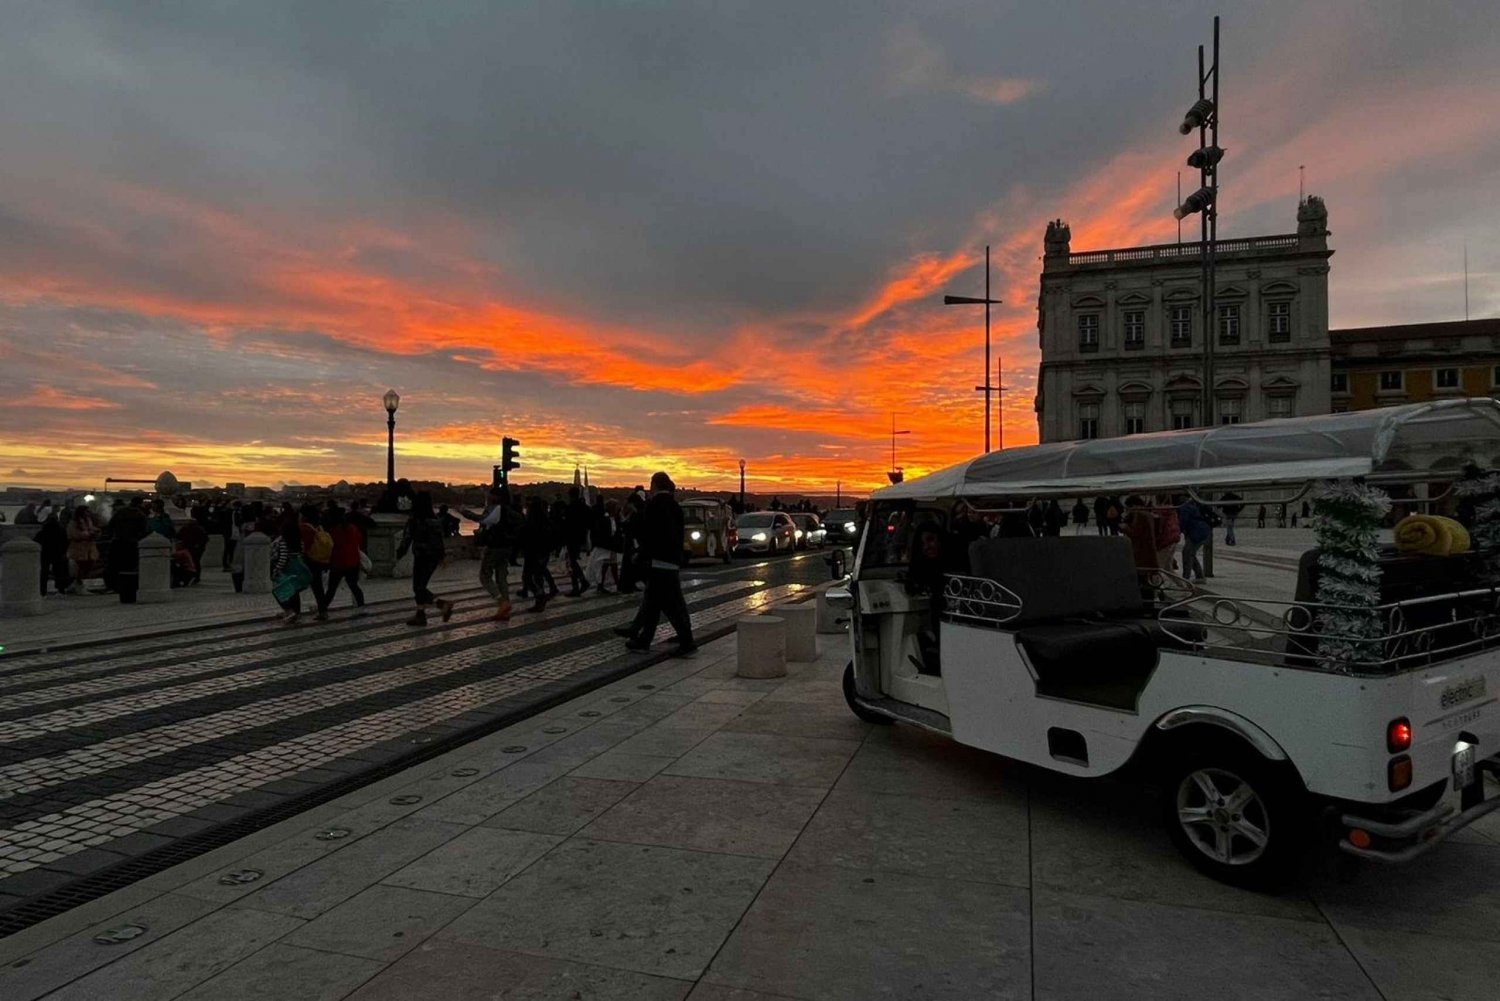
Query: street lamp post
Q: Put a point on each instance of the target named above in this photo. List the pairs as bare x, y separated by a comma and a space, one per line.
965, 300
742, 486
392, 401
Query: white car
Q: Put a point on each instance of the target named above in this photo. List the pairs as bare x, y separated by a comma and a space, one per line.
1262, 719
766, 532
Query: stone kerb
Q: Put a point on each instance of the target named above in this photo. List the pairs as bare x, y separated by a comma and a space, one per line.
761, 647
257, 556
20, 578
156, 569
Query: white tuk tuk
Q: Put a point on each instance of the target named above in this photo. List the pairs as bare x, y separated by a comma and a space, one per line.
1057, 652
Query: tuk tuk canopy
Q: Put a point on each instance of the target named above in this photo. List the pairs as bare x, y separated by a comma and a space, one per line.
1440, 435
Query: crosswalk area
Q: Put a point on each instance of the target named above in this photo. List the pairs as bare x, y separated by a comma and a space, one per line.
121, 758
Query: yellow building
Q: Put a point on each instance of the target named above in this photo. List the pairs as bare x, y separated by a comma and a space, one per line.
1383, 366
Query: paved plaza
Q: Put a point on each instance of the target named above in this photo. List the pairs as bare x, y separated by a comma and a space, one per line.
682, 832
120, 758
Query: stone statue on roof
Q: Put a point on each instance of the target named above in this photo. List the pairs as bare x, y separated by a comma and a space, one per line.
1312, 217
1059, 236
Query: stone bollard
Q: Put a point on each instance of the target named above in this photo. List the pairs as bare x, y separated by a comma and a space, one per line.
257, 553
156, 569
762, 647
213, 553
801, 631
830, 619
20, 576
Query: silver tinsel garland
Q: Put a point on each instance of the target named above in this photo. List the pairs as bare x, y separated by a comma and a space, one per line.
1346, 517
1483, 490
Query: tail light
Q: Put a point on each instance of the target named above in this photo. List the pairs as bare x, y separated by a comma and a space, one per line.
1398, 735
1398, 774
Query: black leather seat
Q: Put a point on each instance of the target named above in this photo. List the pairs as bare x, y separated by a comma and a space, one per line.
1104, 663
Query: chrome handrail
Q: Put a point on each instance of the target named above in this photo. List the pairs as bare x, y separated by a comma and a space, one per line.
980, 600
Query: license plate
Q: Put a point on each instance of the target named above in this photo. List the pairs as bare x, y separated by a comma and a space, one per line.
1463, 767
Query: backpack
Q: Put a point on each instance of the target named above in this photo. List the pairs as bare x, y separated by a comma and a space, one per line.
321, 550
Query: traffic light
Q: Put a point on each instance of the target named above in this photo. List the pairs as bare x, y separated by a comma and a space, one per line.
508, 456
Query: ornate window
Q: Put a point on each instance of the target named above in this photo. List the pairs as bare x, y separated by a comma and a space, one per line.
1230, 410
1135, 418
1088, 332
1182, 328
1279, 321
1392, 381
1338, 382
1279, 406
1088, 420
1184, 413
1135, 329
1229, 324
1445, 378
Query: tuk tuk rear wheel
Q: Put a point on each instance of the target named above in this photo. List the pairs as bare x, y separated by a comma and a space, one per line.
869, 717
1235, 815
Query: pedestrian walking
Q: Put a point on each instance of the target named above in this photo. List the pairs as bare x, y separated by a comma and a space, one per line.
1080, 517
193, 537
423, 535
127, 528
159, 521
1260, 516
317, 549
604, 557
1196, 531
343, 559
498, 533
1232, 509
1053, 518
576, 523
663, 536
536, 544
289, 574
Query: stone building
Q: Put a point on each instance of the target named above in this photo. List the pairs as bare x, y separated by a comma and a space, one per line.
1121, 332
1384, 366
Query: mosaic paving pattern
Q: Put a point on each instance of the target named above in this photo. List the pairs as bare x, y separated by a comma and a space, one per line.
108, 751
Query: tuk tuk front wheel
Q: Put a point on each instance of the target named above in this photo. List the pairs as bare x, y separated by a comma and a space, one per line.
1235, 815
865, 714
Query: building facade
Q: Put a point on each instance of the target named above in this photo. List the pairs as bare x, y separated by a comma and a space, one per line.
1121, 332
1384, 366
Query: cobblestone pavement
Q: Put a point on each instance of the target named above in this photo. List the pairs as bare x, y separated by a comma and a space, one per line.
686, 833
120, 758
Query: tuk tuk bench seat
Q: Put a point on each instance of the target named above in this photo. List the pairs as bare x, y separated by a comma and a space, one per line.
1102, 663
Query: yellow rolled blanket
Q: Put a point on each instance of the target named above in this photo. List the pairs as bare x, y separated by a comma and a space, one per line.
1431, 535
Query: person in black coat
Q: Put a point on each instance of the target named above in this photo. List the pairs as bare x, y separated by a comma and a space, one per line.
576, 524
662, 532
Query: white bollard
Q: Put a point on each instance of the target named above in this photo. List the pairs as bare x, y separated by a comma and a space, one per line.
213, 553
257, 555
20, 578
801, 631
761, 643
156, 569
830, 619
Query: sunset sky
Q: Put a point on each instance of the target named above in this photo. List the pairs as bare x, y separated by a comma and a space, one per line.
645, 234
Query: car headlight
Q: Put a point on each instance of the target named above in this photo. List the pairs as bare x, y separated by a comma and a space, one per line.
799, 533
849, 527
758, 537
697, 536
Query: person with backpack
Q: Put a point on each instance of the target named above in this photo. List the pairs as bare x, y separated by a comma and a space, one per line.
423, 535
499, 528
1232, 510
317, 550
1168, 533
344, 559
1196, 531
